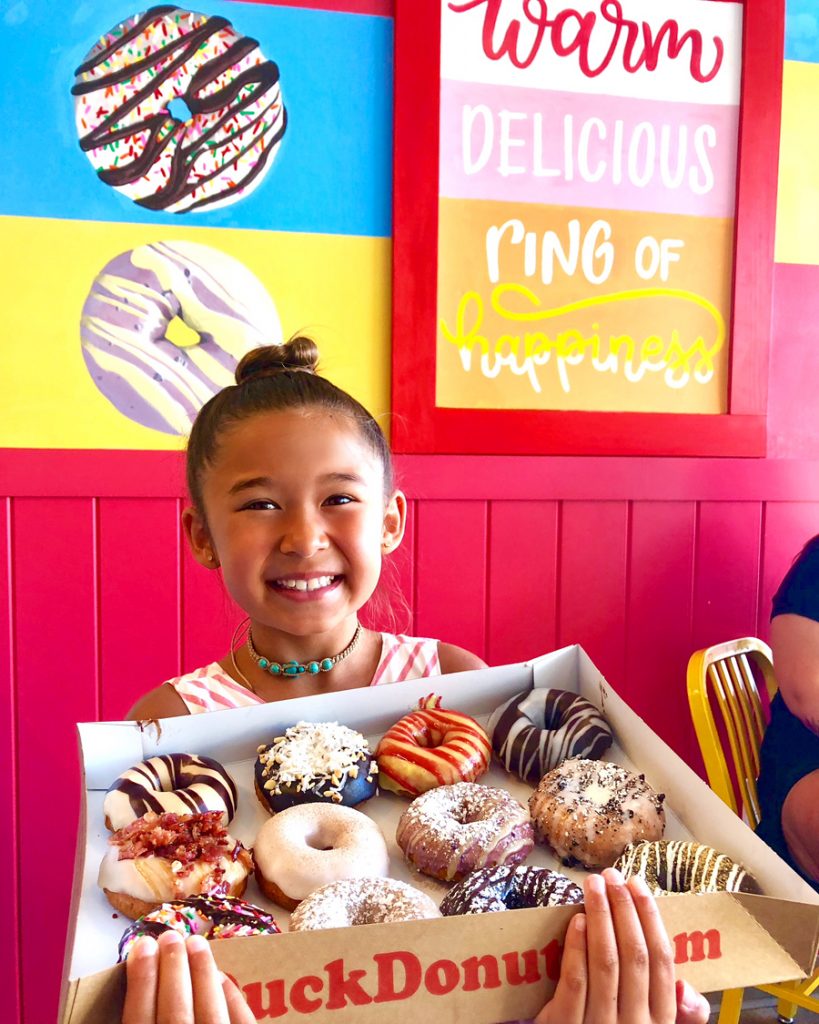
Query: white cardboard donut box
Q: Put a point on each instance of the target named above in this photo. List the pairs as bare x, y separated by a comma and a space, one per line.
481, 968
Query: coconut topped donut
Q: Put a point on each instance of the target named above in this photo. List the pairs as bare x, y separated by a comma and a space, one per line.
536, 730
589, 811
315, 761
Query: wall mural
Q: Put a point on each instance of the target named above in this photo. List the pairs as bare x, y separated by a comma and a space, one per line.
195, 184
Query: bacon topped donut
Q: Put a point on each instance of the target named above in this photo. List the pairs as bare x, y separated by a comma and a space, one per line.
431, 747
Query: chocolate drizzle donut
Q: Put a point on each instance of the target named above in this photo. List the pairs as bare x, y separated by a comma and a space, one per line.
589, 811
123, 90
510, 888
181, 783
535, 731
675, 866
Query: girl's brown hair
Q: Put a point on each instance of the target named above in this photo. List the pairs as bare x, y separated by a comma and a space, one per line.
268, 379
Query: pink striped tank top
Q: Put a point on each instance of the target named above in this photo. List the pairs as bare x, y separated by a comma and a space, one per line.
211, 689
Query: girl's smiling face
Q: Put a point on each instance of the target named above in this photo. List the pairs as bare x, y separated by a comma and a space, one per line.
295, 513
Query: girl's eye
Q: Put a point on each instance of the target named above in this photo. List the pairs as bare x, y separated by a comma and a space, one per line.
338, 499
259, 504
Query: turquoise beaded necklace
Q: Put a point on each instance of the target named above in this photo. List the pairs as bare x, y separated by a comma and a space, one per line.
297, 668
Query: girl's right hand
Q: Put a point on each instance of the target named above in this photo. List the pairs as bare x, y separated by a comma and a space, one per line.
171, 981
618, 965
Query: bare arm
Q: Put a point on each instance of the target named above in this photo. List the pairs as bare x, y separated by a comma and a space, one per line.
795, 644
163, 702
456, 659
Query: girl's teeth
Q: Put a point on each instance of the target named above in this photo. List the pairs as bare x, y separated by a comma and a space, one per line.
314, 584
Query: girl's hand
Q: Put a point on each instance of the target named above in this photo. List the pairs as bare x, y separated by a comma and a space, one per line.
171, 981
618, 965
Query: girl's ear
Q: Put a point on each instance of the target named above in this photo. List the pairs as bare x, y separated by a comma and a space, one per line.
201, 545
395, 522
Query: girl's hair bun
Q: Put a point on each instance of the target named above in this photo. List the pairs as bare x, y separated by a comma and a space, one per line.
298, 353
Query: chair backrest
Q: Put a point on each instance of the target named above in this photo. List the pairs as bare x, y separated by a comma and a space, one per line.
722, 676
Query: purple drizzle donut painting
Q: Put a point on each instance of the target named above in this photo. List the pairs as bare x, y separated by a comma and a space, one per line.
164, 326
125, 86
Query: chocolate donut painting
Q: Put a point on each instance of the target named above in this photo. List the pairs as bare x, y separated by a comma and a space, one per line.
164, 326
223, 142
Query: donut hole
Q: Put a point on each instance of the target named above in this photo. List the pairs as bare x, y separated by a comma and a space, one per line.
318, 842
431, 738
179, 110
180, 334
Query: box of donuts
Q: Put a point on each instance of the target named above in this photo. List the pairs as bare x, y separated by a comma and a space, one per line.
386, 854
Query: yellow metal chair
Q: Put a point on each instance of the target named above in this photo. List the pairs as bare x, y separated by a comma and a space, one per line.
722, 676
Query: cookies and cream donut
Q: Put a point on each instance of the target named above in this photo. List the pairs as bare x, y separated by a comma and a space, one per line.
307, 846
430, 747
315, 762
510, 888
129, 316
160, 858
362, 901
182, 783
536, 730
215, 917
123, 89
452, 830
669, 865
589, 811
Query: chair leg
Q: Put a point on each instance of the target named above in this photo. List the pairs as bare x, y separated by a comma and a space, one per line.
731, 1006
786, 1011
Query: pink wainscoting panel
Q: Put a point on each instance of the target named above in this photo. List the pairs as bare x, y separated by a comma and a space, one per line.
593, 583
450, 582
522, 584
56, 640
659, 617
208, 615
788, 526
726, 571
9, 852
138, 598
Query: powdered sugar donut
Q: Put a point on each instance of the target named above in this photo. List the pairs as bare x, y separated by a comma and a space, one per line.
362, 901
452, 830
535, 731
134, 303
123, 90
589, 811
182, 783
307, 846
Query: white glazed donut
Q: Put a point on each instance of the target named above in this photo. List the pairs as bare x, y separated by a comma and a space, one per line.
535, 731
181, 783
362, 901
589, 811
307, 846
126, 320
123, 90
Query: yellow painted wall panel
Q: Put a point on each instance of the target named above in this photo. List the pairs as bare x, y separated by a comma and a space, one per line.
797, 212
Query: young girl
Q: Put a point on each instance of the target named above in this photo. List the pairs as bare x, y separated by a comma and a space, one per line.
293, 499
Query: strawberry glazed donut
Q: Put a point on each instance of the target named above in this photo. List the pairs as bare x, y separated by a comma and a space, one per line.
431, 747
123, 90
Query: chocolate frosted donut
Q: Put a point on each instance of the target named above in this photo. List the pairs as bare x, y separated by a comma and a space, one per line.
505, 888
537, 730
314, 762
589, 811
181, 783
452, 830
362, 901
675, 866
215, 917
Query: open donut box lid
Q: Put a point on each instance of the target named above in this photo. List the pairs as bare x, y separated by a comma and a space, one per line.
480, 968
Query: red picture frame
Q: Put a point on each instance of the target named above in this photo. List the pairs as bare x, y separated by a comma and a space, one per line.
421, 427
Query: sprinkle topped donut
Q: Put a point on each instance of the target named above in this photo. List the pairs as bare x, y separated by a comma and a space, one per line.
315, 761
122, 93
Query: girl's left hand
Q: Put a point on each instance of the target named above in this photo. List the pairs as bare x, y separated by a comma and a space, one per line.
173, 981
618, 965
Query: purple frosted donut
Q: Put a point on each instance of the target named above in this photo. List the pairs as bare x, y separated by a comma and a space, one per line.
452, 830
510, 888
537, 730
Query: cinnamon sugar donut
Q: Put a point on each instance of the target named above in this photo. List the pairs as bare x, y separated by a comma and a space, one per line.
537, 730
430, 747
310, 845
589, 811
452, 830
362, 901
510, 888
676, 866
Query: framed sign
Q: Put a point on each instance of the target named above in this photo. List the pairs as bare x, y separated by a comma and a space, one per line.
584, 222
